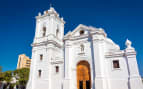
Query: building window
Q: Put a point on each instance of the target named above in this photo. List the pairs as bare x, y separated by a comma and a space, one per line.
57, 69
44, 31
41, 57
82, 48
116, 64
20, 62
40, 71
57, 32
81, 32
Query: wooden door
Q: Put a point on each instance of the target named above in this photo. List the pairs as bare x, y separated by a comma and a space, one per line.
83, 75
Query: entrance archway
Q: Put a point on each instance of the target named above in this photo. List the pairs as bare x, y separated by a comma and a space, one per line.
83, 75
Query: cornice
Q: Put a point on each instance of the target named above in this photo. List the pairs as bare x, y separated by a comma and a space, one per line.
114, 54
121, 53
49, 35
130, 53
46, 43
72, 38
44, 16
76, 37
57, 62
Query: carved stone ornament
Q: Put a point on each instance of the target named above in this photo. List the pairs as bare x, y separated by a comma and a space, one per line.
129, 44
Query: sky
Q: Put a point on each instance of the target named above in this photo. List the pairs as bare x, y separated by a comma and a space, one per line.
121, 19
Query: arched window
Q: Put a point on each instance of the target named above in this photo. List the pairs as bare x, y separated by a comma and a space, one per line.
81, 32
44, 31
39, 72
82, 48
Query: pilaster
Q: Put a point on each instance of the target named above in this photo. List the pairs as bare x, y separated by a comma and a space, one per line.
68, 58
100, 67
134, 79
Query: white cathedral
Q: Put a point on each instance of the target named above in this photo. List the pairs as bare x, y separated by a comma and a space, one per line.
82, 59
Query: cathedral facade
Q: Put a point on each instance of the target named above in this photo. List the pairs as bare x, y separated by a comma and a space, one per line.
82, 59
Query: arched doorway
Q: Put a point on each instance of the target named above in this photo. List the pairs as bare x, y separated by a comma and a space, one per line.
83, 75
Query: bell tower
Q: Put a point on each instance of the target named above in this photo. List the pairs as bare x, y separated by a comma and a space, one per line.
47, 66
49, 24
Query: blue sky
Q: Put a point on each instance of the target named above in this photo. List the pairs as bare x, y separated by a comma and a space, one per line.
121, 19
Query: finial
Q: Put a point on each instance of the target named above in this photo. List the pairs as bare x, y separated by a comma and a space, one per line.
39, 14
101, 29
62, 18
52, 9
44, 12
128, 43
51, 6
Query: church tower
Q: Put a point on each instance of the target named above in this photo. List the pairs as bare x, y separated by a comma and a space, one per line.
47, 67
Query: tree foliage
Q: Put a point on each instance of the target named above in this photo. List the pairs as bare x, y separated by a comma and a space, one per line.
7, 76
1, 74
22, 75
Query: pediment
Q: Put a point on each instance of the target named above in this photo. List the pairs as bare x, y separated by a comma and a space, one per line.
80, 29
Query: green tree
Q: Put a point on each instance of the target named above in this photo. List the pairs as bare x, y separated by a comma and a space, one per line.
22, 75
1, 74
7, 76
